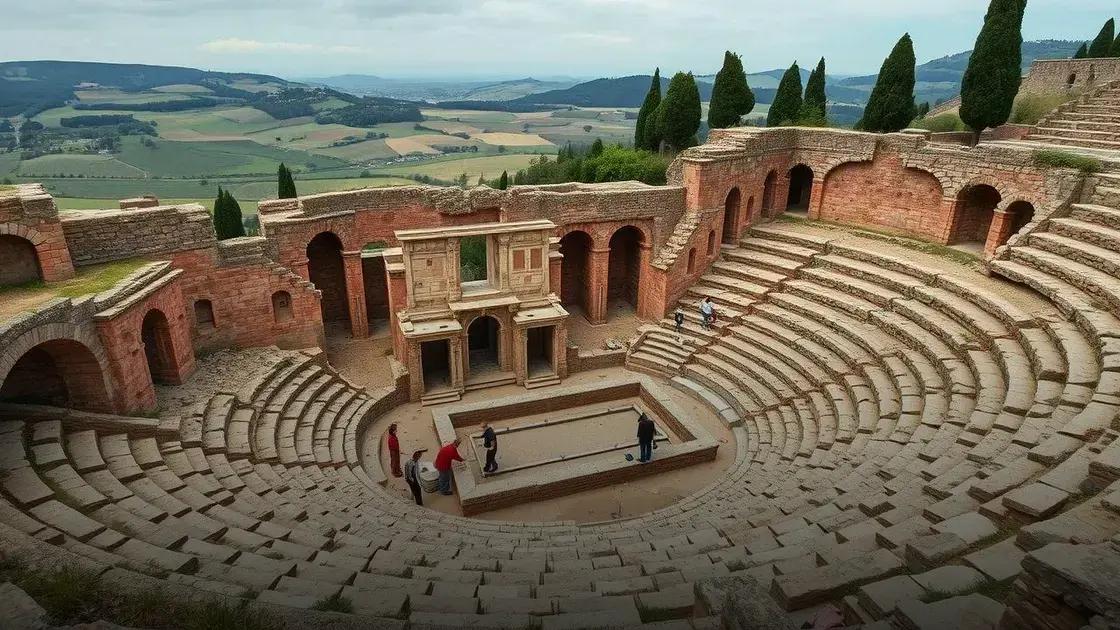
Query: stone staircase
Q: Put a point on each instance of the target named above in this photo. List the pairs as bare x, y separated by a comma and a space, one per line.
1092, 121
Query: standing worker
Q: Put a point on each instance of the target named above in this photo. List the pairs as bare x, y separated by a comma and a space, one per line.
449, 453
646, 432
394, 450
412, 475
490, 443
678, 319
708, 312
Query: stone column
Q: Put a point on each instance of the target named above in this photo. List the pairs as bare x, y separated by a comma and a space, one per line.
560, 349
356, 294
457, 359
521, 354
398, 301
816, 199
502, 265
646, 307
454, 279
949, 210
598, 272
999, 232
412, 360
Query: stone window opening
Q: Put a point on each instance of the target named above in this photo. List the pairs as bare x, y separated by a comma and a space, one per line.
711, 243
282, 307
204, 315
691, 260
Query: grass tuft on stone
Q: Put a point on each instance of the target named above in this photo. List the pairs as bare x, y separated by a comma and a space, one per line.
334, 603
1065, 159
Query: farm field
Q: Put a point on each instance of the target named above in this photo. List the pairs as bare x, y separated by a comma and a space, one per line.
489, 166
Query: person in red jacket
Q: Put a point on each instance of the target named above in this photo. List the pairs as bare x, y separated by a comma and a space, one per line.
447, 454
394, 450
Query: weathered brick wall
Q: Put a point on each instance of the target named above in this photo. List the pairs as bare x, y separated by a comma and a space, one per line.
97, 236
28, 213
1069, 75
883, 193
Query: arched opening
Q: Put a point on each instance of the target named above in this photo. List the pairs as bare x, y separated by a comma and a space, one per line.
691, 259
750, 210
327, 272
484, 345
976, 207
800, 188
204, 315
768, 189
377, 287
574, 284
625, 266
1022, 213
731, 217
155, 333
19, 262
282, 307
1071, 80
711, 242
62, 373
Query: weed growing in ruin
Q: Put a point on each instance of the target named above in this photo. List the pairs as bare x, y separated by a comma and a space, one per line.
334, 603
1066, 159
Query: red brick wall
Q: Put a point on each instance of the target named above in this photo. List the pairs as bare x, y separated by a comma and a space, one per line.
376, 287
46, 237
886, 194
241, 297
19, 262
124, 346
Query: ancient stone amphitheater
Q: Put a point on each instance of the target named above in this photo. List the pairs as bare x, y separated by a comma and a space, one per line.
919, 442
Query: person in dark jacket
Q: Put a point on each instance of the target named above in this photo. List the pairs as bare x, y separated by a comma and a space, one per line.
646, 433
490, 443
412, 475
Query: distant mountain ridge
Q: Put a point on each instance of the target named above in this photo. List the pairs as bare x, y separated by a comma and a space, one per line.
438, 90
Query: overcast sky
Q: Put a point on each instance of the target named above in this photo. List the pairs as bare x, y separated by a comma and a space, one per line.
508, 38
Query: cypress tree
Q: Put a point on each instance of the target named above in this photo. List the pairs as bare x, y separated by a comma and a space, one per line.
1102, 45
1115, 47
286, 185
645, 134
678, 116
223, 222
814, 109
732, 97
235, 227
1083, 52
891, 105
503, 181
786, 107
994, 70
596, 148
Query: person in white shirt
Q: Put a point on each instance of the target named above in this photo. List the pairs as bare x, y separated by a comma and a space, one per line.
707, 312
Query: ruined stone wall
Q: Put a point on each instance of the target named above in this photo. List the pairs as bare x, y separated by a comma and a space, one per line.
98, 236
883, 193
29, 213
1069, 75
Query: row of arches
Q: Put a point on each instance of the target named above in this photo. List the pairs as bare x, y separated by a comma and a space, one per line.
582, 283
67, 372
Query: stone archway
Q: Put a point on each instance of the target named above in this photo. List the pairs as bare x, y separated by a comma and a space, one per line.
159, 350
800, 188
19, 261
60, 372
1022, 213
769, 188
575, 284
484, 346
327, 271
975, 209
731, 216
624, 270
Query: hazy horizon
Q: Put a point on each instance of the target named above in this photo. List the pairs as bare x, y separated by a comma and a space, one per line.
507, 39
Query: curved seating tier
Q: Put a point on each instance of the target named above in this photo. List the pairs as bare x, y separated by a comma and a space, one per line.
903, 435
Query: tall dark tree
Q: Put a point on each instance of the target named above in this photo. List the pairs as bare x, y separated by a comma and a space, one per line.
814, 109
1102, 45
227, 216
286, 186
236, 226
786, 107
994, 71
645, 133
891, 104
678, 116
1083, 52
1115, 47
732, 97
596, 148
503, 181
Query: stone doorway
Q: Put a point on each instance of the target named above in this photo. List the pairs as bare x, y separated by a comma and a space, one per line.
976, 207
19, 262
435, 364
800, 188
731, 217
624, 271
61, 373
483, 346
539, 352
327, 271
155, 332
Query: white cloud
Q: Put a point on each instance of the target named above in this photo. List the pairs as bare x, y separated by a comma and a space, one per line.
235, 45
613, 39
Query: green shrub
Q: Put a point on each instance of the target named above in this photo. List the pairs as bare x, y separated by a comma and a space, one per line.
334, 603
942, 123
1065, 159
1031, 108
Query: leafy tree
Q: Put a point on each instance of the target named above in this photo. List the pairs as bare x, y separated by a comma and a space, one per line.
814, 109
994, 71
678, 116
503, 181
891, 105
1102, 45
645, 133
286, 186
786, 107
1083, 52
596, 148
227, 216
732, 97
922, 111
